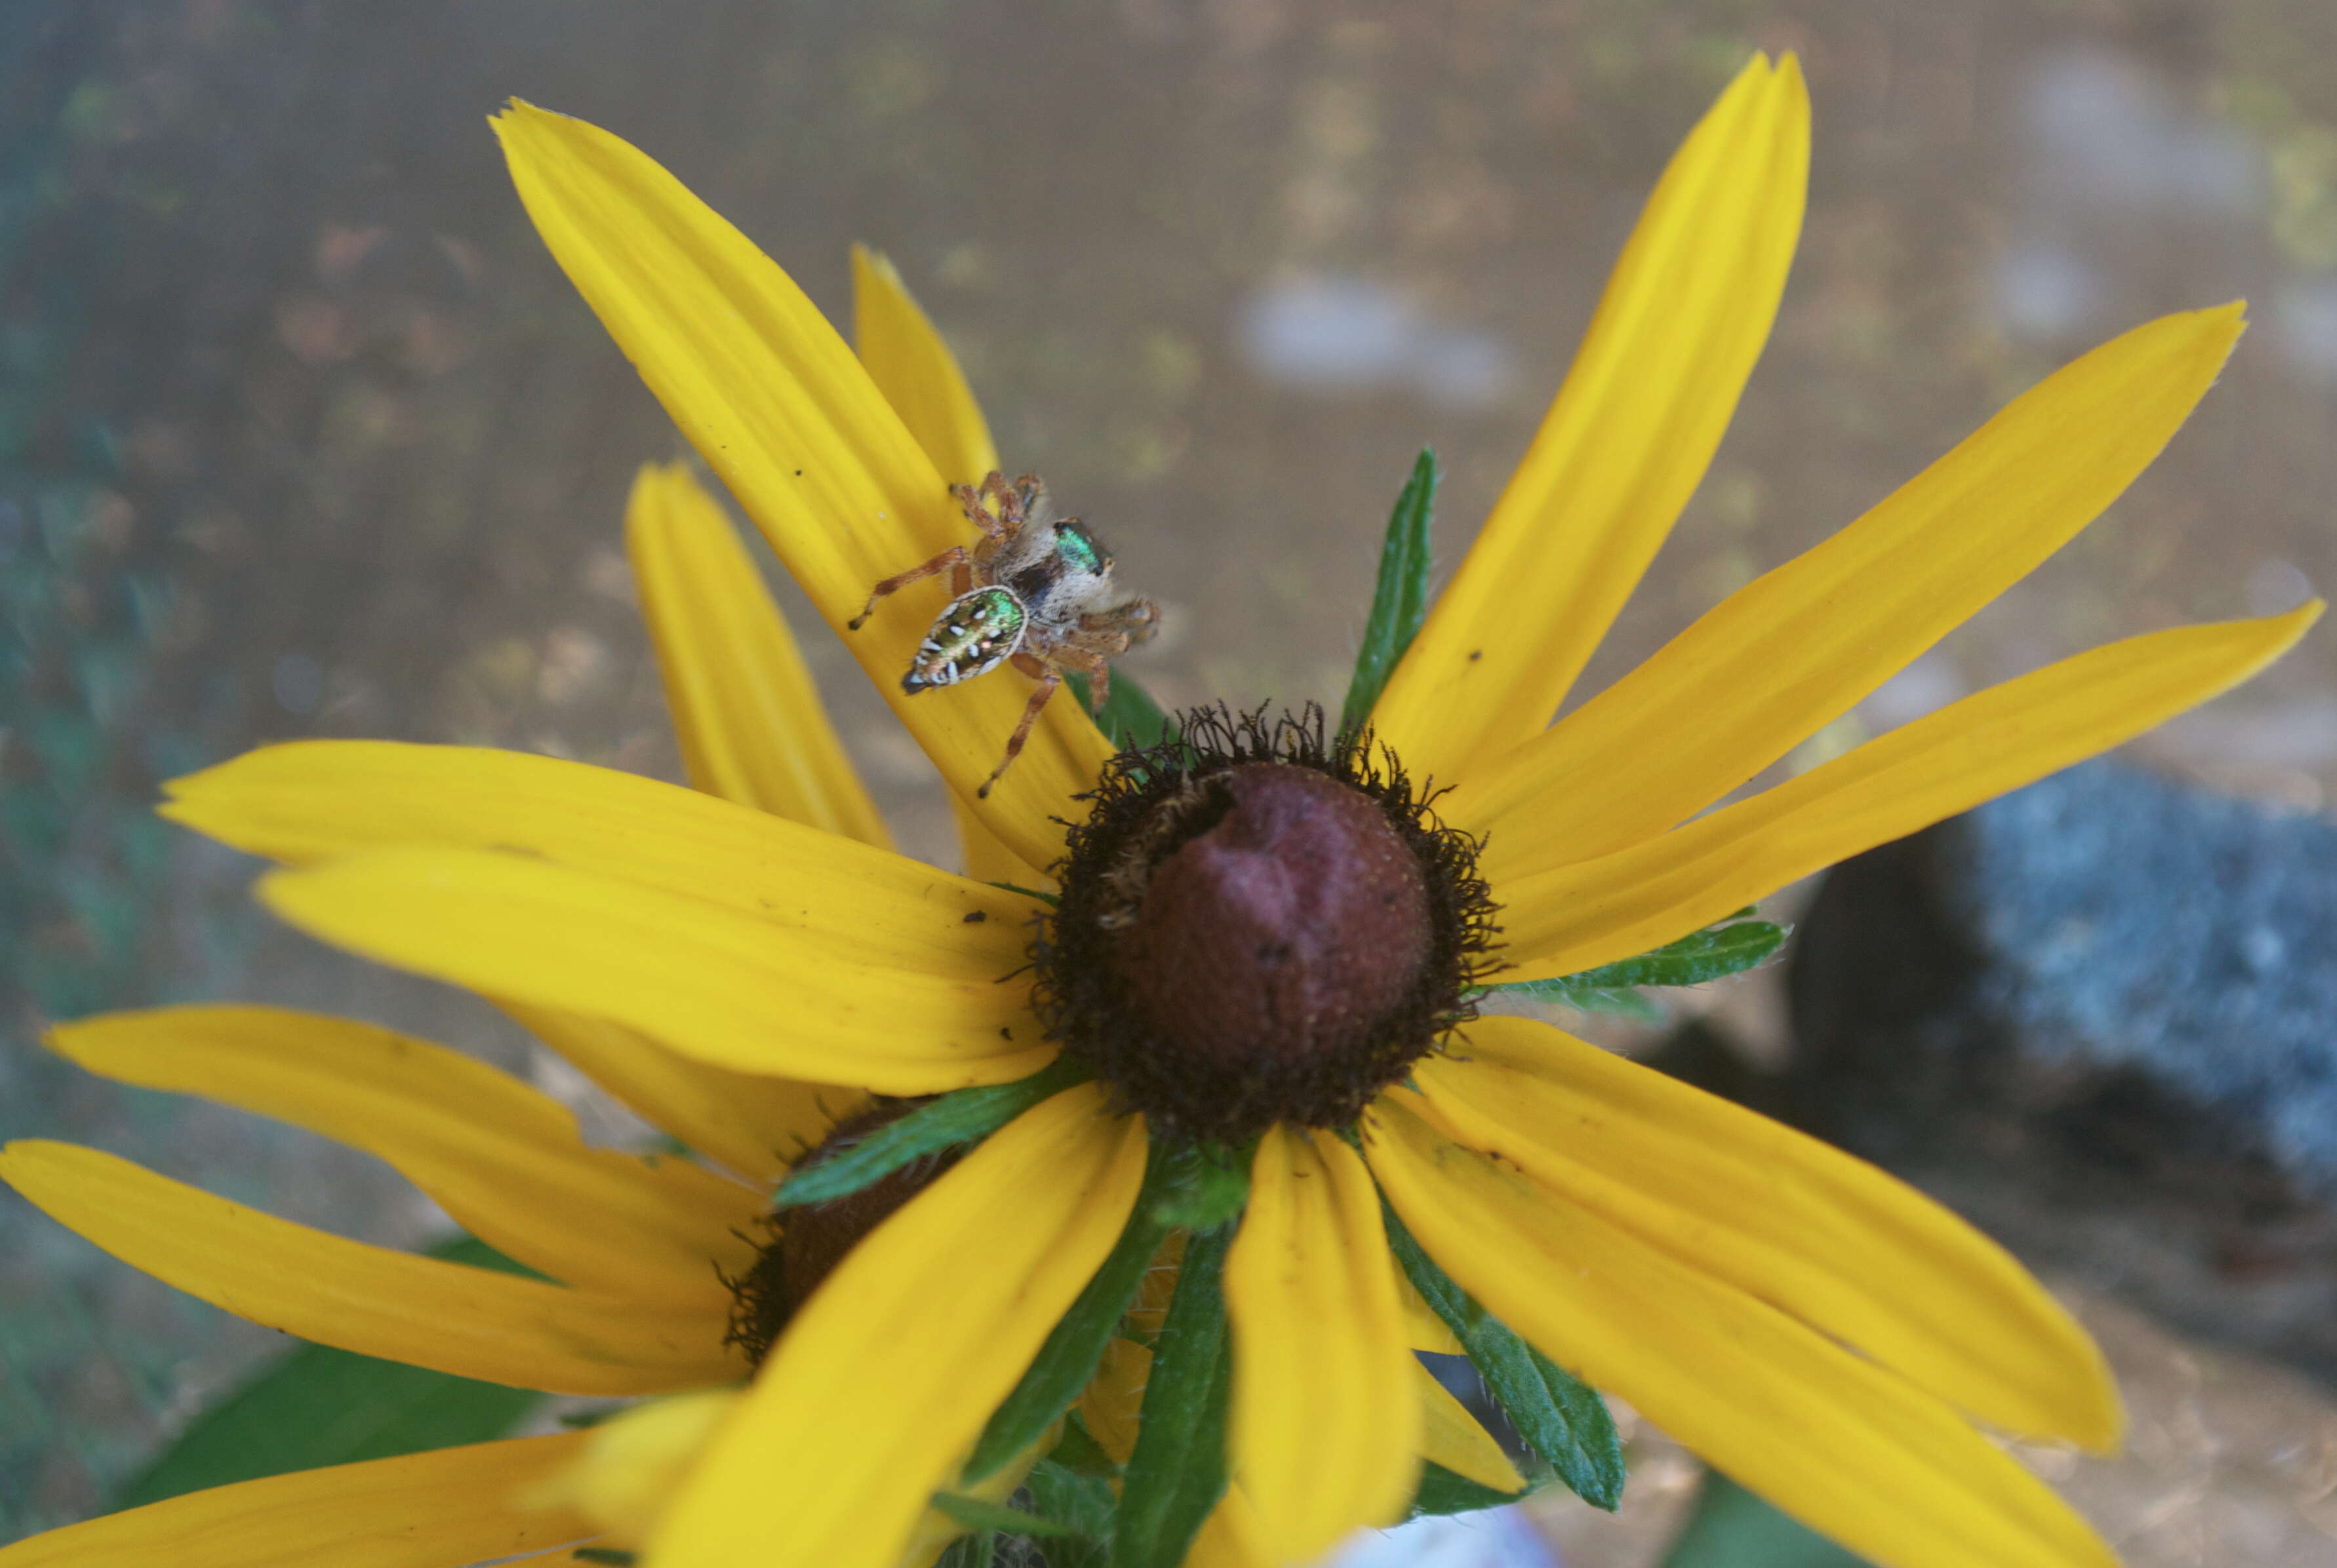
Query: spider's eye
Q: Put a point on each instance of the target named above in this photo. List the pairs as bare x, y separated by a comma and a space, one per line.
1077, 549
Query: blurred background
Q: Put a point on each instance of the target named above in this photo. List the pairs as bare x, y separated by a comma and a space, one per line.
302, 434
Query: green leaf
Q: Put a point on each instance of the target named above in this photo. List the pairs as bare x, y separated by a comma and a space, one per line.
1704, 955
973, 1551
1178, 1469
316, 1405
1400, 602
997, 1517
1075, 1346
1082, 1500
1732, 1528
1444, 1491
1563, 1420
1207, 1186
1130, 719
1618, 999
1077, 1450
956, 1118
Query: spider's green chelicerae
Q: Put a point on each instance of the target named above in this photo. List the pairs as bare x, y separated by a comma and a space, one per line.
1035, 591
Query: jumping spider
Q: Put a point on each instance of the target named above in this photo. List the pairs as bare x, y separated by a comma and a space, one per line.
1036, 589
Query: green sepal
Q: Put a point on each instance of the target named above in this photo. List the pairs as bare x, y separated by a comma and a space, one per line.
1560, 1418
1078, 1451
1444, 1491
316, 1405
997, 1518
1075, 1348
1130, 719
1727, 949
1730, 1527
959, 1117
1049, 899
1178, 1471
1207, 1186
1400, 601
1080, 1500
975, 1551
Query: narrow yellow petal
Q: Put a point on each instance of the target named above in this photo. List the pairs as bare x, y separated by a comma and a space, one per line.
472, 1323
1794, 650
1113, 1401
503, 1159
420, 1511
1853, 1252
916, 372
747, 715
747, 993
1628, 440
633, 1463
1324, 1433
781, 410
1423, 1329
884, 1380
1848, 1448
753, 1125
1579, 916
313, 799
1452, 1437
988, 858
1232, 1536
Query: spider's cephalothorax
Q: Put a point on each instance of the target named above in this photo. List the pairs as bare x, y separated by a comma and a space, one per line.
1035, 591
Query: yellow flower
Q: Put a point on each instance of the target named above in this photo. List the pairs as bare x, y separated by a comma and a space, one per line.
639, 1247
1818, 1331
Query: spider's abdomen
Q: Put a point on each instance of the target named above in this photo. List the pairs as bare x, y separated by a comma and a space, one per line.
974, 632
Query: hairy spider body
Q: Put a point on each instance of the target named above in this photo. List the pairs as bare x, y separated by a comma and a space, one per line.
1035, 591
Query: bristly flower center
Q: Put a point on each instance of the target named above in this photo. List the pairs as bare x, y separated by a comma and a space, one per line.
802, 1246
1257, 926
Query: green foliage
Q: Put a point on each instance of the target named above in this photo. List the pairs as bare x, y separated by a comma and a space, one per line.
1080, 1500
1727, 949
1130, 719
1178, 1471
998, 1518
956, 1118
1400, 601
317, 1405
1732, 1528
1444, 1491
1563, 1420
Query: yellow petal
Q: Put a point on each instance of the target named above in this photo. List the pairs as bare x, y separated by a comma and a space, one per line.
1324, 1432
781, 410
503, 1159
1853, 1252
1113, 1401
1579, 916
1626, 443
747, 993
1232, 1536
472, 1323
749, 717
920, 377
1794, 649
883, 1381
916, 372
1848, 1448
1452, 1437
420, 1511
754, 1125
1423, 1329
313, 799
633, 1463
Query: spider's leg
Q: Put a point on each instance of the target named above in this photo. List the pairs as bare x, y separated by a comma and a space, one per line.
1095, 664
1047, 685
1130, 621
953, 556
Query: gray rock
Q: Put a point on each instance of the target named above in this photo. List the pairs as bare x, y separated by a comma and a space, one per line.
2100, 1016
